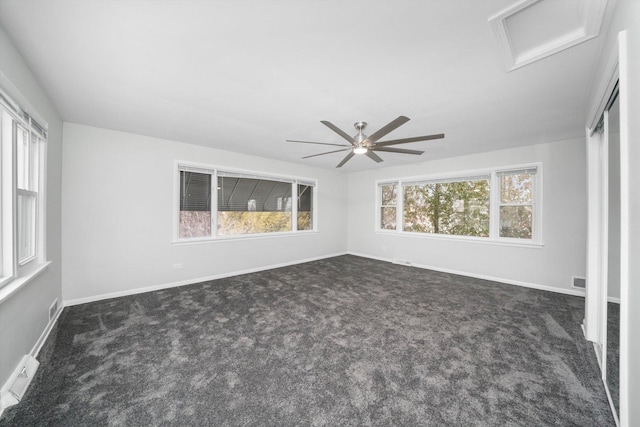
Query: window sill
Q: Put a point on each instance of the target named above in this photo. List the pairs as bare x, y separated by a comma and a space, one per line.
232, 238
16, 284
466, 239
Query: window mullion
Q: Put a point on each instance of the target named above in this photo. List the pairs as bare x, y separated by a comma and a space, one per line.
494, 209
214, 203
399, 207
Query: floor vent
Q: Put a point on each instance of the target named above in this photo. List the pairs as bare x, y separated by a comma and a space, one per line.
579, 282
53, 309
19, 381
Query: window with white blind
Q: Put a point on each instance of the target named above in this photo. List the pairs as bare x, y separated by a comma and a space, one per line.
241, 204
22, 183
493, 205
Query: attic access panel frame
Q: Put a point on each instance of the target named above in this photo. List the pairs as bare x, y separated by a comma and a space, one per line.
510, 27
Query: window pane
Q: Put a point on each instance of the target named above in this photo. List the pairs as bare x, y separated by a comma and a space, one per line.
252, 205
516, 188
305, 202
26, 227
195, 204
457, 208
23, 159
388, 218
230, 223
516, 221
389, 194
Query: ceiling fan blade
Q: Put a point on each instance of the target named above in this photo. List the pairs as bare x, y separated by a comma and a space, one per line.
346, 159
387, 129
407, 140
397, 150
339, 131
328, 152
373, 156
318, 143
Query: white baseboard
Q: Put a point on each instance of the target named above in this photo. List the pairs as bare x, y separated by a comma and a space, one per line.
45, 334
135, 291
34, 353
574, 292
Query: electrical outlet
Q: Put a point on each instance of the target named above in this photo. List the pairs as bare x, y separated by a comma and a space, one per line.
177, 266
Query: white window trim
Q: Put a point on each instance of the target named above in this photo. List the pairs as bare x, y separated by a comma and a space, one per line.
494, 203
15, 274
213, 170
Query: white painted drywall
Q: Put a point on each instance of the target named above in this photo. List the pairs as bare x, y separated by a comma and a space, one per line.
24, 315
613, 203
626, 17
118, 210
632, 159
564, 220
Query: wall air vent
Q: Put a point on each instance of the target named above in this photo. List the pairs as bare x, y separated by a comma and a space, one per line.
53, 309
579, 282
18, 383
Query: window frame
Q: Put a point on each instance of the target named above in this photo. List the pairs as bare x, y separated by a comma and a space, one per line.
214, 171
494, 204
536, 202
381, 206
14, 270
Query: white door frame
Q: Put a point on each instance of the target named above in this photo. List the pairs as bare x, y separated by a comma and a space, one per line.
616, 70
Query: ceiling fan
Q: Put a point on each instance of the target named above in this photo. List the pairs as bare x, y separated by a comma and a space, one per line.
363, 144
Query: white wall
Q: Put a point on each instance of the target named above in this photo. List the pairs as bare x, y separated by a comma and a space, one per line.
564, 220
626, 17
118, 210
24, 315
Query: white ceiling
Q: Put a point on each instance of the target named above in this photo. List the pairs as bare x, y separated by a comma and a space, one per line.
245, 75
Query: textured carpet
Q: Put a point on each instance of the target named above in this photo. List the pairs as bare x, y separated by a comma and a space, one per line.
613, 352
343, 341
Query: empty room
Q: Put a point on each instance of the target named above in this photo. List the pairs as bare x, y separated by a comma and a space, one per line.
322, 213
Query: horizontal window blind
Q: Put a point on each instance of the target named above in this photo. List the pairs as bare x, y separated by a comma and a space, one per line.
446, 180
195, 191
242, 194
526, 171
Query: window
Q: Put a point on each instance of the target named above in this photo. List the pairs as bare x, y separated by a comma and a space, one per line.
195, 204
253, 205
494, 205
516, 203
388, 194
305, 207
243, 204
447, 207
22, 157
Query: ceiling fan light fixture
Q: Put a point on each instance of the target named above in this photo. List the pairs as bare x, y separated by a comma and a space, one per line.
360, 150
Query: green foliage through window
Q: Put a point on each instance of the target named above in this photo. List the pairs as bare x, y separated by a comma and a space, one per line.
463, 206
458, 208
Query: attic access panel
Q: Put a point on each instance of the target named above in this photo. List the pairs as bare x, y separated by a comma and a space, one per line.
531, 30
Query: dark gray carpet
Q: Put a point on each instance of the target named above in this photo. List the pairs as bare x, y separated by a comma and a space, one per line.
342, 341
613, 352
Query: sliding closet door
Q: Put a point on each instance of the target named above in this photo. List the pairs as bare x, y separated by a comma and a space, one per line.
612, 131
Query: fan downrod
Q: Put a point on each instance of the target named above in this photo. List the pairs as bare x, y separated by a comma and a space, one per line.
360, 126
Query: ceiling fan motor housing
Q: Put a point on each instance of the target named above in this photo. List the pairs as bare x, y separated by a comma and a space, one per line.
360, 137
